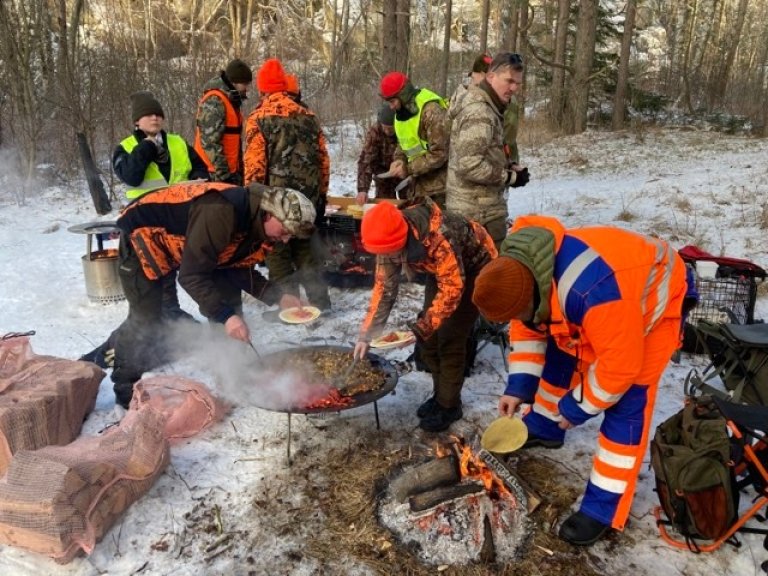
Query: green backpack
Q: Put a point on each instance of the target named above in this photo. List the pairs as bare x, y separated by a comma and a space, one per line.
691, 458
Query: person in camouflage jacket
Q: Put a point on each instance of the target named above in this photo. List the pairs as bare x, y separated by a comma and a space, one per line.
451, 250
376, 156
219, 123
421, 125
480, 167
285, 146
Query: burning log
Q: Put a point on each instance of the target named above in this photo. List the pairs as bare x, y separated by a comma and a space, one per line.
433, 474
426, 500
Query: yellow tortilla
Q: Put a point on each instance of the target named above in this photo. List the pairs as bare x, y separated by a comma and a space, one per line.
504, 435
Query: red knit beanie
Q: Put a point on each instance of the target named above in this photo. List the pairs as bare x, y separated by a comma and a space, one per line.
271, 77
503, 289
391, 84
383, 229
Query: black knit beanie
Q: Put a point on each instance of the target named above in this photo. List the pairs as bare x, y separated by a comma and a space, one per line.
238, 72
143, 104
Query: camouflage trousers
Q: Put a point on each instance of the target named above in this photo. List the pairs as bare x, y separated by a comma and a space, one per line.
292, 264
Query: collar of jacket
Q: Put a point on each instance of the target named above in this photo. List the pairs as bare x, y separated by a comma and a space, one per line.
485, 87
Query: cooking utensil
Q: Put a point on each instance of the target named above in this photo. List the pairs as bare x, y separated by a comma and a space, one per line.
341, 382
402, 186
504, 435
250, 343
383, 175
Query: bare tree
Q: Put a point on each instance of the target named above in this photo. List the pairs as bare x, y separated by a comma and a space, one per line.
584, 52
622, 79
443, 84
557, 102
484, 16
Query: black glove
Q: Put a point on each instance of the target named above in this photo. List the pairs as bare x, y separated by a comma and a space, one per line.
521, 178
320, 210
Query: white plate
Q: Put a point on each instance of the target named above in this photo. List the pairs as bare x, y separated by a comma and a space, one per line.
402, 339
299, 315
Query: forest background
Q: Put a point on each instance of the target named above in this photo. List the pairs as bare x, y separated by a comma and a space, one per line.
67, 67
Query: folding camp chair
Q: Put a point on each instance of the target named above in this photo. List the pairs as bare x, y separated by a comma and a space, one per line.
749, 456
739, 358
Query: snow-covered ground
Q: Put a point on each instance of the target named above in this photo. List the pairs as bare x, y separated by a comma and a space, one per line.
690, 187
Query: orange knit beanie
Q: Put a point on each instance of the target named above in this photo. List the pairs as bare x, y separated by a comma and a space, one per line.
292, 84
383, 229
271, 77
503, 289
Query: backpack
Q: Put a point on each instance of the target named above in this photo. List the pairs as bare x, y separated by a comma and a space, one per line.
695, 480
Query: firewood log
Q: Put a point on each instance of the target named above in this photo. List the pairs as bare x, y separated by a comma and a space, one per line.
437, 472
427, 500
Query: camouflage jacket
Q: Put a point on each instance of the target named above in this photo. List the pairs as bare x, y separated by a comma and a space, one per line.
511, 121
429, 170
211, 128
443, 244
375, 158
285, 146
477, 167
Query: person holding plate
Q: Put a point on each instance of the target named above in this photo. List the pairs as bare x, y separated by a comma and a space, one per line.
595, 315
451, 250
213, 233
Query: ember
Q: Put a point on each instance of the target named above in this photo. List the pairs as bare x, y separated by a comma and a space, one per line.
458, 508
333, 399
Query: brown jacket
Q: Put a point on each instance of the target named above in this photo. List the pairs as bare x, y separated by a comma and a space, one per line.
375, 158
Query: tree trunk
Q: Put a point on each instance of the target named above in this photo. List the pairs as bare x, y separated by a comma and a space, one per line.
689, 24
508, 17
734, 37
484, 16
95, 185
558, 73
584, 51
619, 101
403, 47
443, 83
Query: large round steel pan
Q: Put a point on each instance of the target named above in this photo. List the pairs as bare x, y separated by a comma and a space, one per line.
285, 357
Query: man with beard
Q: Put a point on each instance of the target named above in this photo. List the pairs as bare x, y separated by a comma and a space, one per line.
422, 134
480, 166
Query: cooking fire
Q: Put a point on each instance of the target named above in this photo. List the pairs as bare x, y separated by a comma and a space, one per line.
458, 508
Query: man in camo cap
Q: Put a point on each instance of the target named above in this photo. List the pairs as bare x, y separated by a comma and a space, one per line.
213, 234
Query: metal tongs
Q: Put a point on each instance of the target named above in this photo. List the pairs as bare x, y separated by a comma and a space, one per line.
341, 381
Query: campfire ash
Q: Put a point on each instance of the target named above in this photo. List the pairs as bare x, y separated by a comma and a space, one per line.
459, 508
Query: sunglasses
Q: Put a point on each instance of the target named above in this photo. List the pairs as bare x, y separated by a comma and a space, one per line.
506, 59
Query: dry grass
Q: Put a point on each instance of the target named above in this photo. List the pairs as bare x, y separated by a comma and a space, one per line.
357, 474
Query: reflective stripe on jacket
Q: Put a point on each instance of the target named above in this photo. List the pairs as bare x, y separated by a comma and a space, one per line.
607, 290
181, 165
408, 131
231, 140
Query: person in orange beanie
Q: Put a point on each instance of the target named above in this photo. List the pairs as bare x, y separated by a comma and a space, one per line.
595, 315
285, 146
451, 250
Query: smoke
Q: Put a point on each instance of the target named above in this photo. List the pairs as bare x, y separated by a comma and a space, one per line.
244, 376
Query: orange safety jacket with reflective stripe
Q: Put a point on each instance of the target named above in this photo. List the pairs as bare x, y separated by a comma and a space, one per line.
607, 290
231, 140
156, 225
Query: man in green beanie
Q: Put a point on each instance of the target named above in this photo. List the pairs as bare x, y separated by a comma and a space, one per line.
376, 156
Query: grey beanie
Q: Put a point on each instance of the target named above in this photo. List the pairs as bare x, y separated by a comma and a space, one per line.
143, 103
238, 72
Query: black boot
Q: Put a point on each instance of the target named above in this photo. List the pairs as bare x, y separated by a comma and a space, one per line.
440, 419
536, 442
427, 407
582, 530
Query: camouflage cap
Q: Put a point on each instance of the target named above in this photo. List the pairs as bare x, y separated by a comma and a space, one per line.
292, 208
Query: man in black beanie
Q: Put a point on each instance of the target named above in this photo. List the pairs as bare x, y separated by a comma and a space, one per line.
219, 123
151, 158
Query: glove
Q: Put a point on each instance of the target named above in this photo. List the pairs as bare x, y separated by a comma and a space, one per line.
521, 178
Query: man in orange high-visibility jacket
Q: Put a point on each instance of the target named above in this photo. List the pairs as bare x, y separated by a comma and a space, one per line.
595, 315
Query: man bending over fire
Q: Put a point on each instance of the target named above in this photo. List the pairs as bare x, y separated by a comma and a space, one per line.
451, 250
595, 315
214, 234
